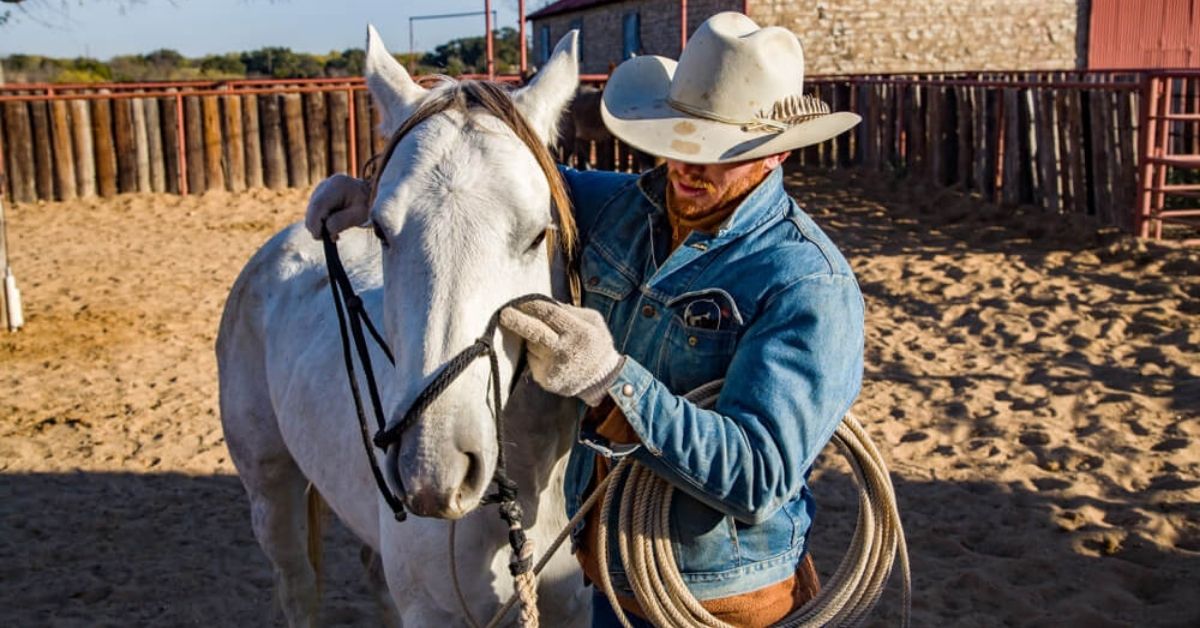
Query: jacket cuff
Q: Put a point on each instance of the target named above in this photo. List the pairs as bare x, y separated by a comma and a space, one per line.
629, 391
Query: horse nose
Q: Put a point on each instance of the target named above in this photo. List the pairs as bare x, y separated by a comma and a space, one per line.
447, 486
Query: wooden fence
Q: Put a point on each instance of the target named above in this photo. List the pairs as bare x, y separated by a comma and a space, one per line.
1064, 141
181, 140
1065, 146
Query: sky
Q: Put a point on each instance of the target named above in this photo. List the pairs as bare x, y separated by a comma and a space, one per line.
105, 28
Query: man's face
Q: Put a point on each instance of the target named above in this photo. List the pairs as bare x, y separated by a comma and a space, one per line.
698, 190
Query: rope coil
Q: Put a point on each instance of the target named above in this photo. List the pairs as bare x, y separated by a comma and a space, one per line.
645, 549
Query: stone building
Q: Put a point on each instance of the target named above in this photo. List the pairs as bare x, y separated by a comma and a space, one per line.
840, 36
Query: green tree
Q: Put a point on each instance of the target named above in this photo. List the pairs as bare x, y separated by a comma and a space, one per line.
468, 55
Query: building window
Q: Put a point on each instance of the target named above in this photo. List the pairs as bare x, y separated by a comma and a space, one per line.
544, 44
631, 35
577, 24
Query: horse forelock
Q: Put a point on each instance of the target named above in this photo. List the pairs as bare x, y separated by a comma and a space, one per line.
467, 97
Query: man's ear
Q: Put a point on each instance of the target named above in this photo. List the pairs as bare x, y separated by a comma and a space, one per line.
776, 160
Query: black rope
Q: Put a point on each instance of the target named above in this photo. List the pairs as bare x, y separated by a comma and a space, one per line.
343, 297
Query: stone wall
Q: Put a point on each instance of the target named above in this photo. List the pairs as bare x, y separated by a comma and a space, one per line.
602, 29
860, 36
868, 36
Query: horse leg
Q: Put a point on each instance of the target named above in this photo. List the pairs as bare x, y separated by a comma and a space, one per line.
374, 566
273, 482
277, 514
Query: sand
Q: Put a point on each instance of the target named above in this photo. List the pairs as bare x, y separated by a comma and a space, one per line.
1033, 381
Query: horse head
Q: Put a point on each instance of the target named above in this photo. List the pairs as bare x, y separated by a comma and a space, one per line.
463, 210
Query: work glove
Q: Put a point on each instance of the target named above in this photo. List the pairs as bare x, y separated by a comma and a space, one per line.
570, 351
340, 202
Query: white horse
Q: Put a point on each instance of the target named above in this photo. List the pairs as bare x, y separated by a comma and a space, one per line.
461, 209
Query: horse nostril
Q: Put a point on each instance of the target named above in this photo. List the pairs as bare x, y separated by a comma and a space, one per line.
474, 480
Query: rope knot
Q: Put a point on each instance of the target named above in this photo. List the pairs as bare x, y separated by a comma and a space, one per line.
354, 303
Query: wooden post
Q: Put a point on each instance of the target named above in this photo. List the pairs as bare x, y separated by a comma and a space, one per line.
193, 123
1127, 142
250, 132
1097, 104
20, 152
234, 142
42, 152
5, 183
127, 158
338, 123
141, 141
1079, 181
315, 124
297, 149
106, 151
154, 145
171, 148
1010, 188
64, 158
963, 113
274, 158
85, 159
362, 129
214, 171
1032, 181
3, 265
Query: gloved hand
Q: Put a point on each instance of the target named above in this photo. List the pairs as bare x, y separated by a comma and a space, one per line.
341, 202
570, 350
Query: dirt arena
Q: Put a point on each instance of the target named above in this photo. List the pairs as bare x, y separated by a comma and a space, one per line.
1036, 389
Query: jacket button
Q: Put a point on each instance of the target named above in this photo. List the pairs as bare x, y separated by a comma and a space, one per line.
594, 281
648, 311
627, 390
692, 341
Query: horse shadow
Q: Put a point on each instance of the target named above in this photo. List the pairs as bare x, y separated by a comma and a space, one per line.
170, 549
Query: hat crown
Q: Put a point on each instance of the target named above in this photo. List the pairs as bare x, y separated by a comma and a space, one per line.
735, 69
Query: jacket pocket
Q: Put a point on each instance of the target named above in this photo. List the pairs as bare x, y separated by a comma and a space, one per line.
603, 284
693, 356
774, 537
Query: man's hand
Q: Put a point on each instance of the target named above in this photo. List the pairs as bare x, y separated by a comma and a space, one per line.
570, 350
339, 202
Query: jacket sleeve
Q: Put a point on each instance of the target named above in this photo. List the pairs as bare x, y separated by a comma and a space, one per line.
795, 373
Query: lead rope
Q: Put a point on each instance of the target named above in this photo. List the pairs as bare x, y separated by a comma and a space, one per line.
649, 560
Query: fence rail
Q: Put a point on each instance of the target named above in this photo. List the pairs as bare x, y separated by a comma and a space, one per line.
1065, 141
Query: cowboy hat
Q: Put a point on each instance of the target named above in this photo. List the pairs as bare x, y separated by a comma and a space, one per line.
736, 93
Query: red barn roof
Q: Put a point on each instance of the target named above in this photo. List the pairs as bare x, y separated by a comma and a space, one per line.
566, 6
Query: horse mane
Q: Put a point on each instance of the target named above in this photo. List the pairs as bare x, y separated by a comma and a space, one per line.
467, 96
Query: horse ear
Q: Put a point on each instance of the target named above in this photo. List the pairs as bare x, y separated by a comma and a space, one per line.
551, 90
390, 84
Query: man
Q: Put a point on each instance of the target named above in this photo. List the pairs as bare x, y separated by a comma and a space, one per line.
701, 270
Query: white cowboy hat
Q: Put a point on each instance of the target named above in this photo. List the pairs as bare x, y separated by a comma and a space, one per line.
736, 93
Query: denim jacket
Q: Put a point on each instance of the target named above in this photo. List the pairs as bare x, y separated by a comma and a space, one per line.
769, 304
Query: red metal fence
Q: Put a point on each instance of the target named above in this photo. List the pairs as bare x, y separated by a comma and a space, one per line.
1065, 141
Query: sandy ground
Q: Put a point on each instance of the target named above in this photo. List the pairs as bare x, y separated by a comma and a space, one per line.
1036, 389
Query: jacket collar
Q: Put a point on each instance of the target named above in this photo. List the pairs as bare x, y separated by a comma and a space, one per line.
761, 205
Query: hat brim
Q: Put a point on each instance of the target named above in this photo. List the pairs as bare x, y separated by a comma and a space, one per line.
635, 110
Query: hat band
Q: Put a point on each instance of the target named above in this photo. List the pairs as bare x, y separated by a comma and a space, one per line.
784, 114
752, 124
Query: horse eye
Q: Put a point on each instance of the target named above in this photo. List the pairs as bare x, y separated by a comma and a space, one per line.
379, 234
541, 237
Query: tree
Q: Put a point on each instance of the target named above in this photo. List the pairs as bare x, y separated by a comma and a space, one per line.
468, 55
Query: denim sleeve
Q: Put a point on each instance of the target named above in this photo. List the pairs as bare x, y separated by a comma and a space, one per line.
795, 373
590, 192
